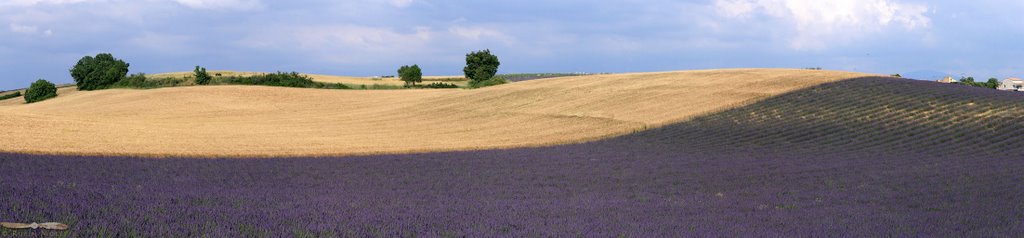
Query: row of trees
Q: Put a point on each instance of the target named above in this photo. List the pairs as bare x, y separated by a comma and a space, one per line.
93, 73
992, 83
104, 71
90, 73
481, 68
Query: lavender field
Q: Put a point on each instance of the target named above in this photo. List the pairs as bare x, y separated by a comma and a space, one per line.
862, 157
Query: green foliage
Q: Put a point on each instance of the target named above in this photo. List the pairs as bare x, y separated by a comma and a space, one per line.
497, 80
410, 74
100, 72
11, 95
440, 85
279, 79
453, 79
132, 80
40, 90
202, 78
969, 81
380, 87
992, 83
481, 66
897, 75
141, 81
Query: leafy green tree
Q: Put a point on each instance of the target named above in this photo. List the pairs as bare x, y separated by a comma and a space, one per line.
481, 65
992, 83
969, 81
92, 73
40, 90
410, 74
202, 78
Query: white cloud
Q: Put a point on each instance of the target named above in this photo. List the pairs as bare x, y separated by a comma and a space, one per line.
222, 4
23, 3
29, 30
357, 36
477, 33
163, 43
342, 43
401, 3
817, 23
23, 29
735, 8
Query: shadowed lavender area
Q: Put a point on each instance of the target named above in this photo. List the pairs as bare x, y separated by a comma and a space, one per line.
861, 157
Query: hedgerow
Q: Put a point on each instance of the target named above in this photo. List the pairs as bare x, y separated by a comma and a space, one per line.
141, 81
496, 80
10, 95
440, 85
280, 79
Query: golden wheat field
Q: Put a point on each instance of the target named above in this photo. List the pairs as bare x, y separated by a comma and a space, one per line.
258, 121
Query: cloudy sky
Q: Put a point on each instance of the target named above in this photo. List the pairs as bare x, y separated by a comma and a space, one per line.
44, 38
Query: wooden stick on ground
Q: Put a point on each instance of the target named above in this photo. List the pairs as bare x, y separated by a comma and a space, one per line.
46, 225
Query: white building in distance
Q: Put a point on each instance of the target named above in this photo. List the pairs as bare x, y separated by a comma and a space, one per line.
1012, 84
948, 79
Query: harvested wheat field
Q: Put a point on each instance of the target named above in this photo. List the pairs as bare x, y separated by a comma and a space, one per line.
256, 121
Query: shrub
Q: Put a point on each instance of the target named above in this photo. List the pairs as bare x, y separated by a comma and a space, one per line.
481, 66
202, 78
140, 80
280, 79
381, 87
497, 80
969, 81
440, 85
132, 81
40, 90
410, 74
11, 95
992, 83
100, 72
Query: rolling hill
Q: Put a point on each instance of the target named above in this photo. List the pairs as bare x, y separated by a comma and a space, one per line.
249, 121
863, 157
